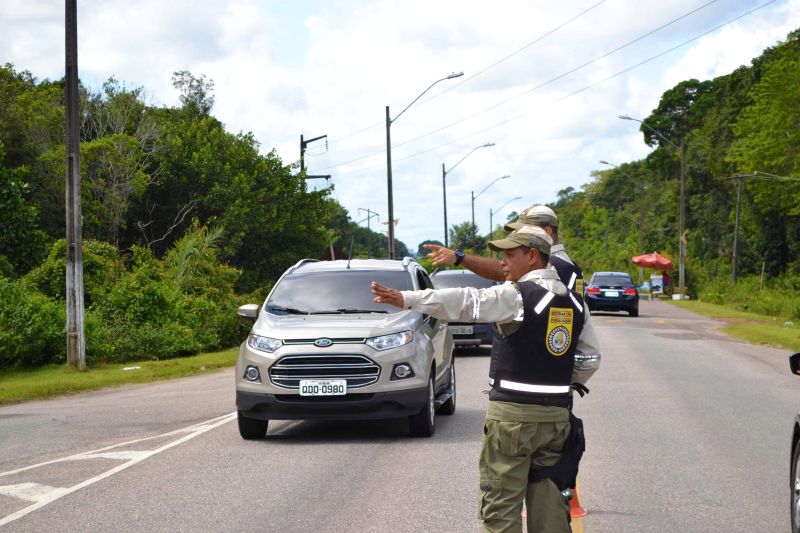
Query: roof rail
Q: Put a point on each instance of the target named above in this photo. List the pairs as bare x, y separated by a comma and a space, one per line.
304, 261
407, 261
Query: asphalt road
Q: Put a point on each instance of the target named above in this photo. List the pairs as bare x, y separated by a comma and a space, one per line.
687, 431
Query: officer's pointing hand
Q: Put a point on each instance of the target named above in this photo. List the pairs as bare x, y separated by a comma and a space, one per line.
440, 255
385, 295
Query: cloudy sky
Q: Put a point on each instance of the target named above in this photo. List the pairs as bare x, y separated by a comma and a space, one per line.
545, 81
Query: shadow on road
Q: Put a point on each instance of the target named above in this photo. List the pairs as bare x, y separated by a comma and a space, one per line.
463, 426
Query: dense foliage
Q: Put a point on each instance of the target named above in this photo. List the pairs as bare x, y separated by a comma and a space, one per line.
180, 217
743, 123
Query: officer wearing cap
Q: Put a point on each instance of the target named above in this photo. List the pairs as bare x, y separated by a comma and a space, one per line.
487, 267
545, 341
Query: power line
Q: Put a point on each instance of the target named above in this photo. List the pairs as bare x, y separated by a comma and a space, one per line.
558, 100
668, 51
527, 91
563, 75
509, 56
451, 87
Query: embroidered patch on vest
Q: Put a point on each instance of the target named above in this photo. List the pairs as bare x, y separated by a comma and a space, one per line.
559, 330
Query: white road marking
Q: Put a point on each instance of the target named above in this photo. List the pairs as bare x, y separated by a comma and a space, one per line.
122, 456
46, 497
201, 425
32, 492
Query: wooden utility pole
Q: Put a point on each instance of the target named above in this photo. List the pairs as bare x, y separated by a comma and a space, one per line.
76, 345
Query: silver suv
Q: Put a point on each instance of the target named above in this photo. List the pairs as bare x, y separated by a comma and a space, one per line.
321, 348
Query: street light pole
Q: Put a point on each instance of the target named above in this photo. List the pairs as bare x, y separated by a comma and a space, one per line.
491, 226
473, 204
444, 186
389, 121
682, 224
641, 213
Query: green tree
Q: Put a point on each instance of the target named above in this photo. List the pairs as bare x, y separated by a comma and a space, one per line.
196, 93
21, 241
464, 236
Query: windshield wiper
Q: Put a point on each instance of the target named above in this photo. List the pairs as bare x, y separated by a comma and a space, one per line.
287, 310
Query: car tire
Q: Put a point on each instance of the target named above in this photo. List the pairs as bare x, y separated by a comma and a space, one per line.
794, 487
423, 424
634, 312
449, 407
251, 428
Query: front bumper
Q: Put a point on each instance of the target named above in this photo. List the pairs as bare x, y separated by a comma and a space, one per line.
481, 334
356, 406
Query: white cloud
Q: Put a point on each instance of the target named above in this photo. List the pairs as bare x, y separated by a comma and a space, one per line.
281, 69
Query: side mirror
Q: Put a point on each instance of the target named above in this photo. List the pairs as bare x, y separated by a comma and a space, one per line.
794, 363
249, 312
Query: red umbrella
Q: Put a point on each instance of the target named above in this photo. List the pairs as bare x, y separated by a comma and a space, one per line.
654, 260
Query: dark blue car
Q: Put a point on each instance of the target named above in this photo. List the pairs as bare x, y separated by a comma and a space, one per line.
465, 333
612, 291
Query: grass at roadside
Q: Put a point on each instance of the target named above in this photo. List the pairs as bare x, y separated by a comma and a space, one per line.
751, 327
54, 380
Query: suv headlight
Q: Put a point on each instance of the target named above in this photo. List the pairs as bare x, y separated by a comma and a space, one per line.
387, 342
264, 344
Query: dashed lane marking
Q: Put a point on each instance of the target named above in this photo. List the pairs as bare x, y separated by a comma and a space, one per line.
43, 495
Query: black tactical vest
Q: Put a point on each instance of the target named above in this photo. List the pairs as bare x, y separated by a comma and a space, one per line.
534, 364
569, 273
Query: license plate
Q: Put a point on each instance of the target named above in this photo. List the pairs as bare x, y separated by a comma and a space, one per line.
612, 294
461, 330
323, 387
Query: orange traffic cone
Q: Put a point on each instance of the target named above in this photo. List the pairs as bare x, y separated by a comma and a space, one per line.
575, 509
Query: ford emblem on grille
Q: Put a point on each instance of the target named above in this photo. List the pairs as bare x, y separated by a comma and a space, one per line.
323, 342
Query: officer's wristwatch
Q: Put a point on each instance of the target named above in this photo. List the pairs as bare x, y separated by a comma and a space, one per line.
459, 257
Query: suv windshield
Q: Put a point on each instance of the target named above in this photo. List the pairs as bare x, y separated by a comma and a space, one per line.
338, 292
618, 280
449, 281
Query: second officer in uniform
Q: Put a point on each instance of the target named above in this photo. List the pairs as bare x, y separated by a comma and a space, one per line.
545, 342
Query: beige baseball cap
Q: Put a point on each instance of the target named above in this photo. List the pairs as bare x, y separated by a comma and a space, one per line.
530, 236
536, 215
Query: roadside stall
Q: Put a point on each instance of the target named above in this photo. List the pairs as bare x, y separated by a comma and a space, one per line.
659, 279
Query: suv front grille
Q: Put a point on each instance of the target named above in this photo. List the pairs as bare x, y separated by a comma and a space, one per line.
358, 370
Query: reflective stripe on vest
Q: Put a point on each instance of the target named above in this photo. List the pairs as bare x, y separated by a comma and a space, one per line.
549, 296
572, 279
543, 302
527, 387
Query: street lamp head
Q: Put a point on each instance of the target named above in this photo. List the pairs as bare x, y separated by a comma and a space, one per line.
504, 177
604, 162
454, 75
487, 145
626, 117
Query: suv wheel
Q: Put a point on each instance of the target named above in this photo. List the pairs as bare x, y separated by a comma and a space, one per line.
449, 407
251, 428
423, 423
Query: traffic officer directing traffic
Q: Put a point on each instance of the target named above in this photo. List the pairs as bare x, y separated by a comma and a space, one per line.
545, 342
489, 268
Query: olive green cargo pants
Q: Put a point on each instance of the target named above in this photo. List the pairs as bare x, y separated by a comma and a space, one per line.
517, 437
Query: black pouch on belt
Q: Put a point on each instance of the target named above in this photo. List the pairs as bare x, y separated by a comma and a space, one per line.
564, 472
